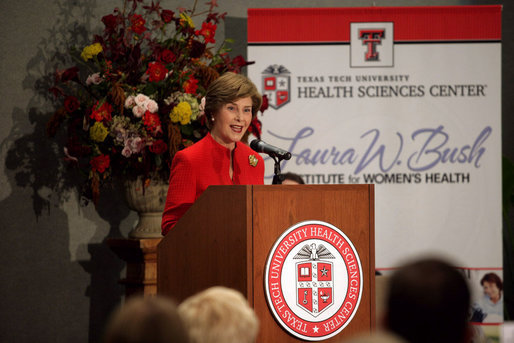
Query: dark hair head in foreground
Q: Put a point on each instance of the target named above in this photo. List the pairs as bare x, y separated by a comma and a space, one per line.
295, 178
428, 301
146, 320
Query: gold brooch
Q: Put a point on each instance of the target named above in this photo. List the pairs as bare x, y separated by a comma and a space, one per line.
253, 160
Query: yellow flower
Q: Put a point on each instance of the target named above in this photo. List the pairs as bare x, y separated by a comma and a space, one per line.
184, 18
90, 51
98, 132
181, 113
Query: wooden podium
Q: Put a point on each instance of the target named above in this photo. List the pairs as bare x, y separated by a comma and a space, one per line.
226, 236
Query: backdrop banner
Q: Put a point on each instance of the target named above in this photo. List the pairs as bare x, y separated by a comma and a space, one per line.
406, 98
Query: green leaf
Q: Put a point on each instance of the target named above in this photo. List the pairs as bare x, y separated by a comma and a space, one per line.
150, 88
186, 130
158, 160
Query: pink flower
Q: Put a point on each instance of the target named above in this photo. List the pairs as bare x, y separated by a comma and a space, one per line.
138, 111
68, 157
94, 79
141, 100
126, 151
152, 106
202, 107
130, 101
135, 144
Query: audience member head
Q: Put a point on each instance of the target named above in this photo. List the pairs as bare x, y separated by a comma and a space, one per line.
219, 315
292, 179
146, 320
428, 301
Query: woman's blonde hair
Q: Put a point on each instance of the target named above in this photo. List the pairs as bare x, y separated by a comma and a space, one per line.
228, 88
219, 314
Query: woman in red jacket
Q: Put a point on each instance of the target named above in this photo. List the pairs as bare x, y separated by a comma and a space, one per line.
220, 158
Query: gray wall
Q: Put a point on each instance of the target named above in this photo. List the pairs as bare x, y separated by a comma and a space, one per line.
59, 279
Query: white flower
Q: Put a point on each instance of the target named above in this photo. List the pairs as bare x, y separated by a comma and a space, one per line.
68, 156
130, 101
202, 107
141, 99
126, 151
138, 111
135, 144
152, 106
94, 79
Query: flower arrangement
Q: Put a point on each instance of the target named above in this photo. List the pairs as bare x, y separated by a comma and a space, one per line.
133, 98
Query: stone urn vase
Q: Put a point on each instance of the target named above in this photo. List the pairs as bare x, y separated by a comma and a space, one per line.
148, 201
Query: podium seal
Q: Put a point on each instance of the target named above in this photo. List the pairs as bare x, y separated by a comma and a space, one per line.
313, 280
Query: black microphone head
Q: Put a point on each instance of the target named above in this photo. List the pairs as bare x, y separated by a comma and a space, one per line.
255, 144
260, 146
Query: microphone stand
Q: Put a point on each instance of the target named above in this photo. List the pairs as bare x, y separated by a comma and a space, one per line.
278, 177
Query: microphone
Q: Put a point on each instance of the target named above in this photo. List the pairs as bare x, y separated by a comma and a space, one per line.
271, 150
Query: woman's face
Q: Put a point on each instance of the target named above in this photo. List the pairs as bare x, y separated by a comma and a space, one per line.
491, 290
232, 121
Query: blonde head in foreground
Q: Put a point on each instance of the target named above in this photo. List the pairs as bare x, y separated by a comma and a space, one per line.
219, 314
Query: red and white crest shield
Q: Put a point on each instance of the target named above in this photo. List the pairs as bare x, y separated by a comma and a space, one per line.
315, 287
313, 280
276, 84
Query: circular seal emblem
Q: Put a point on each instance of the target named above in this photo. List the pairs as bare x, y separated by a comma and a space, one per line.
313, 280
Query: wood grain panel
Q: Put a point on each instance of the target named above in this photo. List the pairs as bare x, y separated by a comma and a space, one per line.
226, 236
210, 245
348, 207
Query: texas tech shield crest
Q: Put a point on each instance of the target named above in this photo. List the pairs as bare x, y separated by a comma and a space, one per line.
314, 281
276, 84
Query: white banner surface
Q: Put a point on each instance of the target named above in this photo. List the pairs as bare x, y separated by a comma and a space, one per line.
373, 97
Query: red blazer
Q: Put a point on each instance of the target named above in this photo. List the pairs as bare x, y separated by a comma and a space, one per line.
203, 164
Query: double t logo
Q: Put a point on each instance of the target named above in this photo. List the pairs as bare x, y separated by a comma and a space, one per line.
371, 38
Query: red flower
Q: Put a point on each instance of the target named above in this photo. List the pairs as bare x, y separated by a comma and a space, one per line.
197, 49
110, 21
100, 163
191, 85
151, 121
167, 16
212, 4
208, 31
70, 74
137, 24
71, 104
56, 91
237, 63
101, 113
156, 71
255, 128
158, 147
265, 103
167, 56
